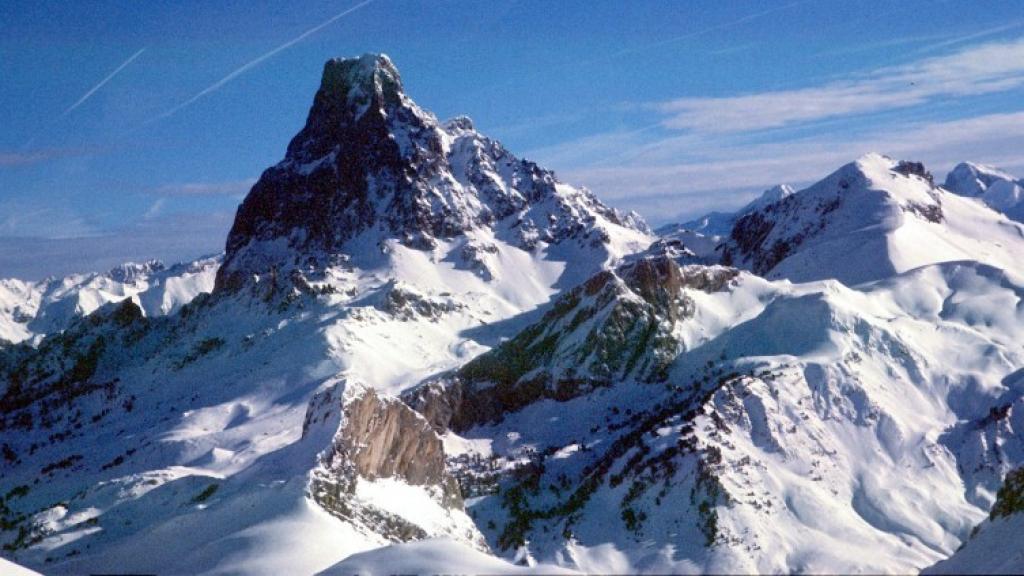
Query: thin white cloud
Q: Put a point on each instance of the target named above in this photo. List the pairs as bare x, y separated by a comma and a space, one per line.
253, 63
973, 36
16, 159
229, 188
170, 238
9, 159
155, 209
103, 82
691, 176
22, 219
985, 69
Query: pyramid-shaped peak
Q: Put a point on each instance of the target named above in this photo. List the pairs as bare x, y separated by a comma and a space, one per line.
371, 163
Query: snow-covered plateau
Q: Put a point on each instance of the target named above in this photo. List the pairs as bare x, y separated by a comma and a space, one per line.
421, 353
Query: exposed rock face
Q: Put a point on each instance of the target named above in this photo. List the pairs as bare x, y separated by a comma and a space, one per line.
375, 437
385, 439
615, 326
909, 168
369, 160
1010, 499
407, 303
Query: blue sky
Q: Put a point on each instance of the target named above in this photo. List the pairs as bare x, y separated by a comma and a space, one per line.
133, 129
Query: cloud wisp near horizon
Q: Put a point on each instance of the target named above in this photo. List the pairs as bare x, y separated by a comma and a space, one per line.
990, 68
719, 152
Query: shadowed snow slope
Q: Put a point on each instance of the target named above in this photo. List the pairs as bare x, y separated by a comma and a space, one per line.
994, 546
431, 557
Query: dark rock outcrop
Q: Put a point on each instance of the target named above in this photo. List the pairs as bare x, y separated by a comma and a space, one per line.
1010, 499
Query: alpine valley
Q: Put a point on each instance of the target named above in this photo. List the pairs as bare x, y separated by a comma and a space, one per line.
421, 353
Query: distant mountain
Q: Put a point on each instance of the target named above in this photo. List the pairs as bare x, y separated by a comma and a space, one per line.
31, 310
996, 188
721, 223
869, 220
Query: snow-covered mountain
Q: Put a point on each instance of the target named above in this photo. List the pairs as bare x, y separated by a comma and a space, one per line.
257, 429
996, 188
808, 427
371, 167
869, 220
31, 310
722, 422
421, 351
721, 223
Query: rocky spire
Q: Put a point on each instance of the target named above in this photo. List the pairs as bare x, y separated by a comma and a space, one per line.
361, 129
369, 160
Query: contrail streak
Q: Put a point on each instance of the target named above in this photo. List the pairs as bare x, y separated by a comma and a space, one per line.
102, 82
701, 32
973, 36
245, 67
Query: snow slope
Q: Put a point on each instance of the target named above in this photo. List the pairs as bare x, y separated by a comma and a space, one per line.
994, 545
431, 557
813, 430
997, 189
12, 569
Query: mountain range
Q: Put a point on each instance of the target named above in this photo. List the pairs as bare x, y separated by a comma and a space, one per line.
419, 352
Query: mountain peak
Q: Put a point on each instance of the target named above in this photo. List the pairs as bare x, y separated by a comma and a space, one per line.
970, 179
356, 81
369, 162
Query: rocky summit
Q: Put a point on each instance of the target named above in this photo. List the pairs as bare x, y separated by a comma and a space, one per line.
371, 164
